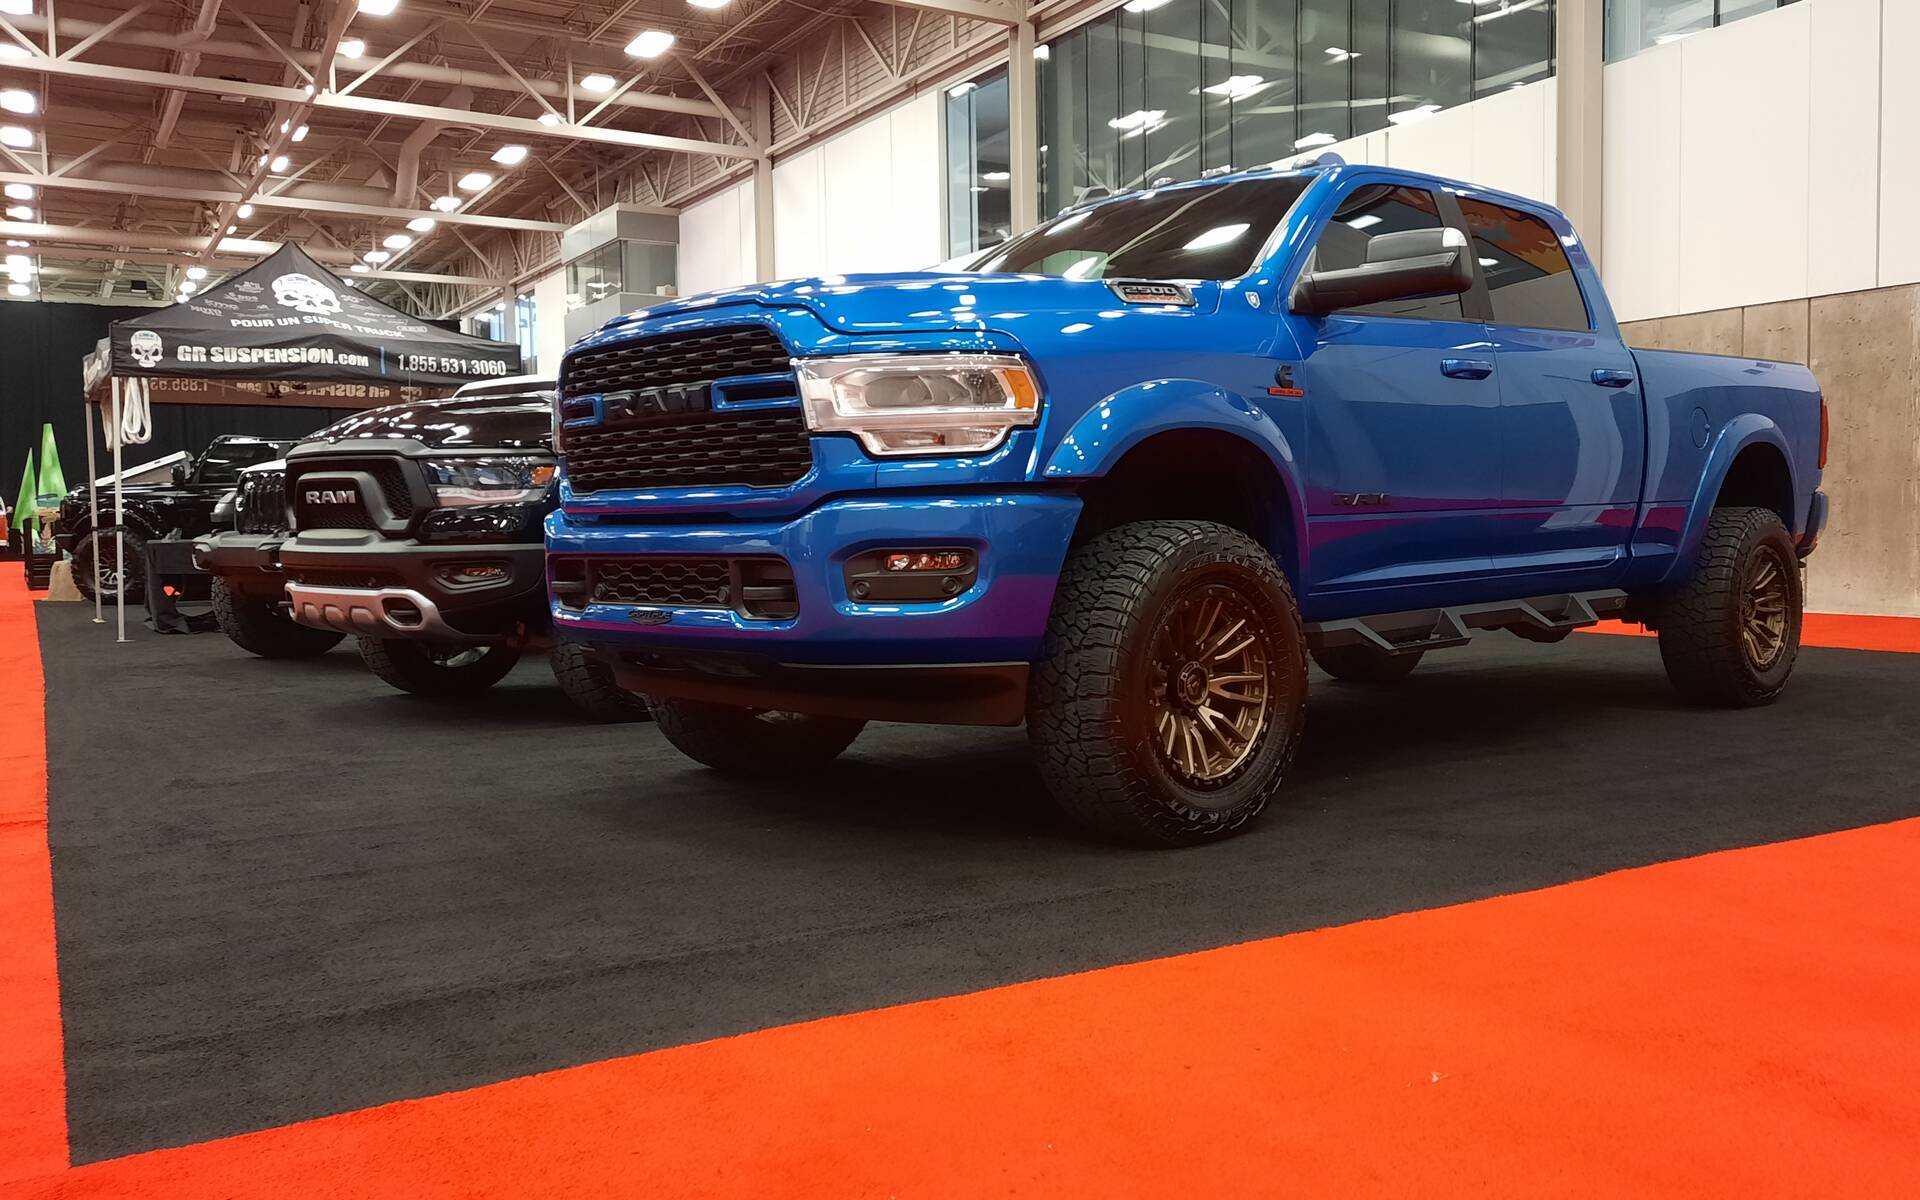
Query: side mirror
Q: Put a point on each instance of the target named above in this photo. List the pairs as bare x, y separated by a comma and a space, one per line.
1399, 266
183, 473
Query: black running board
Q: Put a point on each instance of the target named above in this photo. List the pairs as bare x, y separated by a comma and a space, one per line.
1541, 618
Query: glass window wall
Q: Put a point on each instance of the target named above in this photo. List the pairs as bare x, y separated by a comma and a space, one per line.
1635, 25
1173, 89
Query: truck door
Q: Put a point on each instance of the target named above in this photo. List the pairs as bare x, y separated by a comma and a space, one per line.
1403, 406
1571, 416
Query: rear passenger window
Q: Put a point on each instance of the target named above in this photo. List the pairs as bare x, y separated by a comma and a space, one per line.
1365, 214
1528, 276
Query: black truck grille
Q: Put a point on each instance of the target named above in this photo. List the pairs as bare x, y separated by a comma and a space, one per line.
761, 588
658, 441
386, 473
260, 505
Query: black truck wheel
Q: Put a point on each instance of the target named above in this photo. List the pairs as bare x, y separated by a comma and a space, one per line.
1730, 634
1365, 664
437, 669
100, 543
1172, 686
751, 741
589, 683
256, 623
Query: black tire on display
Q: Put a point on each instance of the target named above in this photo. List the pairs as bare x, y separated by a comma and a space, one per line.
751, 741
1730, 634
101, 542
1172, 686
437, 669
589, 683
1365, 664
257, 624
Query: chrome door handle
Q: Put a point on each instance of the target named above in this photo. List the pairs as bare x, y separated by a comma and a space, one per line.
1609, 378
1466, 368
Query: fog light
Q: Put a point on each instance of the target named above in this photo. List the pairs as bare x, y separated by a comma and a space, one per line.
927, 560
469, 574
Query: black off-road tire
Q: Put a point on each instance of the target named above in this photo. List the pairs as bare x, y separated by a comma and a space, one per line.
136, 553
1366, 664
1090, 715
1702, 623
750, 741
589, 683
258, 625
416, 667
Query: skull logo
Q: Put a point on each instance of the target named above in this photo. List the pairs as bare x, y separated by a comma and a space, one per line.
306, 294
146, 348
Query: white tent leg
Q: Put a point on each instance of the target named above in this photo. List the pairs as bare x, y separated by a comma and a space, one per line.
93, 502
119, 542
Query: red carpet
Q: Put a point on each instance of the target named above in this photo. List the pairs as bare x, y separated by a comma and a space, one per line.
1839, 631
1737, 1024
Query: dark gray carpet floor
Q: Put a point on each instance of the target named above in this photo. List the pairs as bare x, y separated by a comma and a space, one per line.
283, 890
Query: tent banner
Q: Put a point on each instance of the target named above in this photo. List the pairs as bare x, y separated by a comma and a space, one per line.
288, 318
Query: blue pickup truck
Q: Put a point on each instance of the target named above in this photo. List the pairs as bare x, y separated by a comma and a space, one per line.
1121, 478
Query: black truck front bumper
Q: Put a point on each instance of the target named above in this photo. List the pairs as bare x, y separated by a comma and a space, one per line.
249, 562
358, 582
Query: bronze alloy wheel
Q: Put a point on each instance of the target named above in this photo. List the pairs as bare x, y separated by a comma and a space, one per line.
1209, 686
1763, 609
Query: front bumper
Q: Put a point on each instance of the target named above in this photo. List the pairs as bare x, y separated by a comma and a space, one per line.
357, 582
835, 650
244, 558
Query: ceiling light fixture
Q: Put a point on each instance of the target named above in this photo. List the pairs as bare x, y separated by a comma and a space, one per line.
397, 241
376, 256
709, 4
359, 268
19, 191
379, 8
18, 242
550, 118
196, 273
17, 8
19, 289
279, 164
447, 203
598, 83
19, 262
188, 287
20, 212
14, 50
244, 211
510, 156
300, 134
16, 137
19, 100
651, 43
352, 47
473, 181
420, 224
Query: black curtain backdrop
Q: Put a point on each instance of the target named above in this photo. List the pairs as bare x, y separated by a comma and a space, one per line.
41, 346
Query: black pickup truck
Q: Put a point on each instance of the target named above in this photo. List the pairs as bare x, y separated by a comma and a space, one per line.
186, 505
416, 528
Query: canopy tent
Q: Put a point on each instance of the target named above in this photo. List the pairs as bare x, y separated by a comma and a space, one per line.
286, 332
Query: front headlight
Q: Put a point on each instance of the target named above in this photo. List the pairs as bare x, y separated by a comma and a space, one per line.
919, 404
459, 482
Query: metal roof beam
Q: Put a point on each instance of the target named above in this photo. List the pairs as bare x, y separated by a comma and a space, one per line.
971, 10
303, 204
184, 248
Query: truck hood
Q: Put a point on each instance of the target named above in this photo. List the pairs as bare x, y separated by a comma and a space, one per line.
923, 301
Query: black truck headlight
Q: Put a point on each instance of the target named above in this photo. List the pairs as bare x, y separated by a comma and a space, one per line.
460, 482
920, 404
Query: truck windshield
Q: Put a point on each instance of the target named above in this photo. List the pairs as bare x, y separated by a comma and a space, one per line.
223, 460
1181, 233
520, 421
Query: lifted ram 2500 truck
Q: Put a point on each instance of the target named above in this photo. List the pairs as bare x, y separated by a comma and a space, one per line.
1122, 478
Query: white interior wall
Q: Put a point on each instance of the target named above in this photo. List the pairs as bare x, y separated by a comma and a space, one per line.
549, 321
716, 241
867, 199
1770, 159
1503, 141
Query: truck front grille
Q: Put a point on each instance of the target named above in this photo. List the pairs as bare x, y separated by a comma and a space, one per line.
387, 474
656, 426
759, 588
260, 504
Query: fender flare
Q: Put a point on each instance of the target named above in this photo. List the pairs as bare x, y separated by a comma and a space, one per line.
1109, 429
1743, 431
